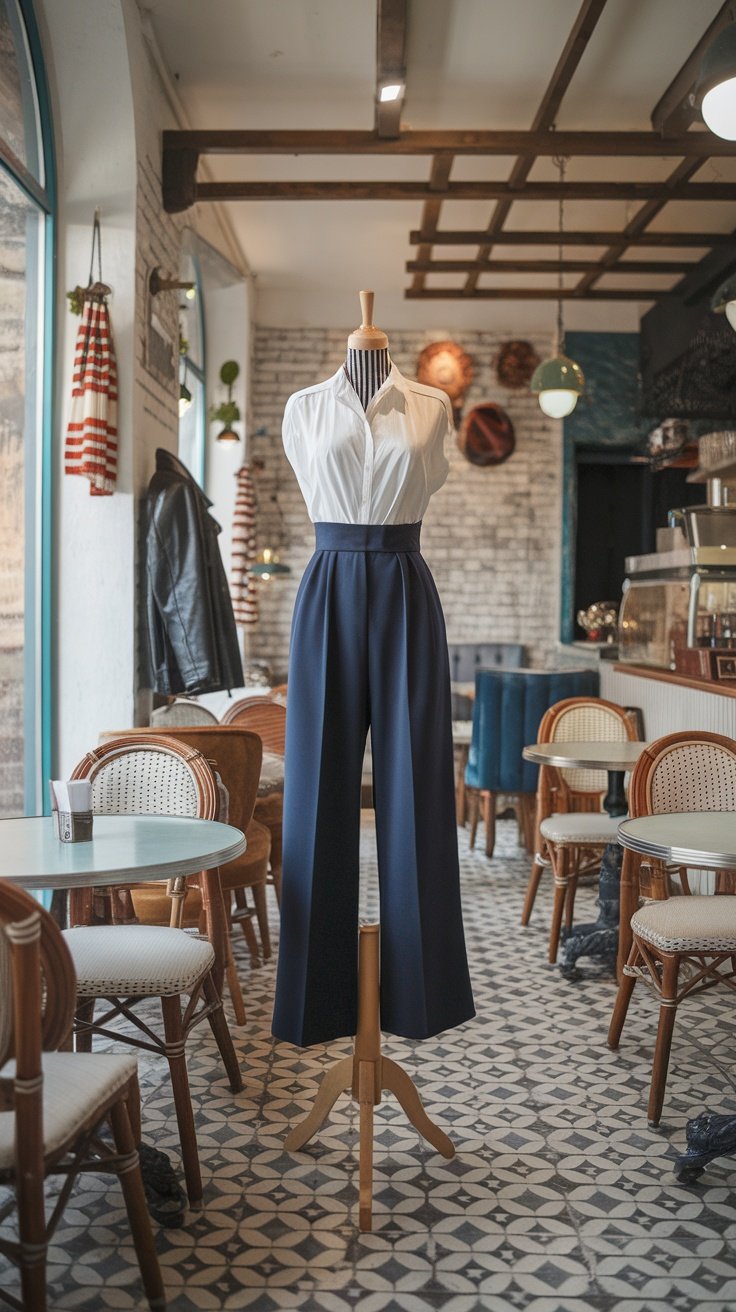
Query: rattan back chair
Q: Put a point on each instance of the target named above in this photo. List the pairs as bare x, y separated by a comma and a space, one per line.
179, 712
268, 720
146, 773
261, 716
578, 792
55, 1103
690, 771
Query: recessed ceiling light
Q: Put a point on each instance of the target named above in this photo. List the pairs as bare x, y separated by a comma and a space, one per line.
391, 92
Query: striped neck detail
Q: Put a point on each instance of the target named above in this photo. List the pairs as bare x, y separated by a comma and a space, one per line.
367, 371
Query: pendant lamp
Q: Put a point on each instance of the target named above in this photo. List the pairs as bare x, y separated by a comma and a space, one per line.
559, 381
716, 87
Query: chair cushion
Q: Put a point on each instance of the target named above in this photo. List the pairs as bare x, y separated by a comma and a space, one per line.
75, 1085
137, 960
581, 827
272, 774
688, 924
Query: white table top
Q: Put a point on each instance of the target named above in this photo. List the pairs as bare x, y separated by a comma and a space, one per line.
124, 848
688, 838
585, 756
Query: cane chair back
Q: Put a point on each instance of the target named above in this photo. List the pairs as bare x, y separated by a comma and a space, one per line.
149, 774
181, 711
261, 716
584, 719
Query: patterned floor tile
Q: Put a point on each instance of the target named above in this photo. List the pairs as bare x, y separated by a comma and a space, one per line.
560, 1198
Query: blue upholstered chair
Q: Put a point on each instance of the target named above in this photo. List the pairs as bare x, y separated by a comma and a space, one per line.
509, 705
466, 658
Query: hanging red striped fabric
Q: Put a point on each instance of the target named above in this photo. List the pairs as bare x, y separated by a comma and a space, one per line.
91, 448
244, 587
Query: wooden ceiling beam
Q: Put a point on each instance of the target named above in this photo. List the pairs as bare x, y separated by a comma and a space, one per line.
339, 141
439, 178
573, 51
532, 294
461, 237
672, 187
659, 193
676, 109
423, 265
390, 64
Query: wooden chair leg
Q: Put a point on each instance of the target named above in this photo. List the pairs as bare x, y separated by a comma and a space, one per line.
572, 887
623, 998
473, 802
276, 879
85, 1010
32, 1234
489, 819
261, 905
531, 890
560, 861
131, 1183
175, 1054
245, 920
667, 1012
223, 1037
233, 983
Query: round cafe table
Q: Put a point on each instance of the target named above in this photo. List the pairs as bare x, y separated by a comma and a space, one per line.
703, 840
597, 939
126, 849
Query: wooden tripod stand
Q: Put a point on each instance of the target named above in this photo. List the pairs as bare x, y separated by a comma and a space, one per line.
366, 1074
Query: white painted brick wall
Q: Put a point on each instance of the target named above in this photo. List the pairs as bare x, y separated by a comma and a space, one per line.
491, 536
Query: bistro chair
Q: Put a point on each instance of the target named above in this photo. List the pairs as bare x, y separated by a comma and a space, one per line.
683, 942
571, 828
54, 1105
507, 709
236, 754
128, 964
183, 710
268, 719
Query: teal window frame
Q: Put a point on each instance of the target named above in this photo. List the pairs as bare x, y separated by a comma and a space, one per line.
198, 369
38, 618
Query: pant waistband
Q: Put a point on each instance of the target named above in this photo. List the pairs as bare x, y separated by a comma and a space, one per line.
367, 537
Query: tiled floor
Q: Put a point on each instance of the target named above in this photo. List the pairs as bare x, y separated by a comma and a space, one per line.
560, 1199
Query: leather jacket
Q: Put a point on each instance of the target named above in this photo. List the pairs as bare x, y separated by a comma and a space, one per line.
193, 641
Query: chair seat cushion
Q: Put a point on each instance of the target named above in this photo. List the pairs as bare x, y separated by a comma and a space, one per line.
75, 1085
581, 827
688, 924
272, 774
137, 960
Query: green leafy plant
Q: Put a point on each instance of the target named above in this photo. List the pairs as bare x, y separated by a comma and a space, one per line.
227, 412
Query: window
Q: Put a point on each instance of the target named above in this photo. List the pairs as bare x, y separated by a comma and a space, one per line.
192, 408
26, 235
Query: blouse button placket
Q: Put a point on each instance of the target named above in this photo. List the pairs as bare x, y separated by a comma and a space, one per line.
365, 500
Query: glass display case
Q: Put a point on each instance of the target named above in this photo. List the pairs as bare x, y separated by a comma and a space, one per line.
683, 606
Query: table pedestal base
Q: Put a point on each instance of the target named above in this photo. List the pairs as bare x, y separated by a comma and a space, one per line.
598, 939
709, 1135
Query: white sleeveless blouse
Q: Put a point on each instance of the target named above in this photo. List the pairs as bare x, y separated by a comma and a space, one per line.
380, 466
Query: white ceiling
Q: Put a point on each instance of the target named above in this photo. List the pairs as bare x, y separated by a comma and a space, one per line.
471, 64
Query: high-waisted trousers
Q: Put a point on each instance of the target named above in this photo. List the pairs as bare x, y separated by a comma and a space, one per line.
368, 649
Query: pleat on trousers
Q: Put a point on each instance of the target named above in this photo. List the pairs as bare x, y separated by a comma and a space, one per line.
369, 648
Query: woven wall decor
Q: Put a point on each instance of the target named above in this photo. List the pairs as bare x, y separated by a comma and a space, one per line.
487, 435
447, 366
515, 363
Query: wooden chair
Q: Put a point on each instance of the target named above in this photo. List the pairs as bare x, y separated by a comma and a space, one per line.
686, 943
268, 720
124, 963
571, 829
182, 710
236, 754
55, 1104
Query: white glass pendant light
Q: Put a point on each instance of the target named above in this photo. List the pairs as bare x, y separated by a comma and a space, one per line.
717, 85
559, 381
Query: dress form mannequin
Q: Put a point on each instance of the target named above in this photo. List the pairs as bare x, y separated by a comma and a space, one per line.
367, 364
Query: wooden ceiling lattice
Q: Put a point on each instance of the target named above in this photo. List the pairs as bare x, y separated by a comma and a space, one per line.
672, 136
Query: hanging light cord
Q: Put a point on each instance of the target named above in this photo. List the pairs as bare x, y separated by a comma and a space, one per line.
560, 161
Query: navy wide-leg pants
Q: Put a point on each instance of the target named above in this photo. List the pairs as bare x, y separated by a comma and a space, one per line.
369, 649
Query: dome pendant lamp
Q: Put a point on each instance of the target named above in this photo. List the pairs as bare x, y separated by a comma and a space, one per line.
559, 382
716, 87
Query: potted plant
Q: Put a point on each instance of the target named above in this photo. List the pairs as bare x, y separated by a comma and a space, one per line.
227, 412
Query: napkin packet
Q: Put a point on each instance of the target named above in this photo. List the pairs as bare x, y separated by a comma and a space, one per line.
71, 809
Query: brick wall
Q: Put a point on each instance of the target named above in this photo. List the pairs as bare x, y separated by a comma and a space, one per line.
491, 536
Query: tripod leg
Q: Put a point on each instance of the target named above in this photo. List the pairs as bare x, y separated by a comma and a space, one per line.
366, 1093
335, 1082
396, 1081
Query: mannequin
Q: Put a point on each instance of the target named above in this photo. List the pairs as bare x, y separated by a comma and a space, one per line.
367, 365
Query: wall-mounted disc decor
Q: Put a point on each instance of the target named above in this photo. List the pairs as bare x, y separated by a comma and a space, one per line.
447, 366
515, 363
487, 435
